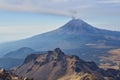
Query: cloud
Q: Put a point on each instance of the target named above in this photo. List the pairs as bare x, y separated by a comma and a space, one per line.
59, 0
110, 1
58, 7
84, 8
34, 6
93, 11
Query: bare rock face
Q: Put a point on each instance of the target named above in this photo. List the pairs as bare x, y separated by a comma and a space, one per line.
7, 75
55, 65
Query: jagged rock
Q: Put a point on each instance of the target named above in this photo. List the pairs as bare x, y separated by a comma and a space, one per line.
7, 75
55, 65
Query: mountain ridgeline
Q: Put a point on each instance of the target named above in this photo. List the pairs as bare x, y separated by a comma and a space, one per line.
75, 37
16, 58
20, 53
55, 65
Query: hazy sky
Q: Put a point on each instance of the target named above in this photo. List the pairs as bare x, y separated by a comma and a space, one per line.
25, 18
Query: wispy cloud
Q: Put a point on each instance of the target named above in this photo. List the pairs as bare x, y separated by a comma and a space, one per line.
59, 7
105, 12
110, 1
84, 8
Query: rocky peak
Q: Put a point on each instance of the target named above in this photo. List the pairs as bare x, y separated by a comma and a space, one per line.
57, 56
59, 52
48, 56
55, 64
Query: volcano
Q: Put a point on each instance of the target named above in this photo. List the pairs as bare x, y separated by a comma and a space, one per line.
75, 37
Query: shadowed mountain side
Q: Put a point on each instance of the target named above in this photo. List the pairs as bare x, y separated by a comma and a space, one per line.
9, 63
20, 53
16, 58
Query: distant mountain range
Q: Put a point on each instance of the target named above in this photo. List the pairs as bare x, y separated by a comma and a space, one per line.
76, 37
20, 53
16, 58
55, 65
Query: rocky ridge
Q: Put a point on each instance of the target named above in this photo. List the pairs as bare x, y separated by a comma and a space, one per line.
55, 65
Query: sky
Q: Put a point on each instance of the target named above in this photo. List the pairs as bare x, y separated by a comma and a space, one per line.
20, 19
